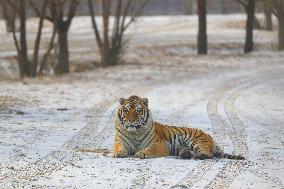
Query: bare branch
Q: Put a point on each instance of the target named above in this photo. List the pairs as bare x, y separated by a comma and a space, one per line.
72, 11
244, 3
97, 33
117, 15
15, 40
137, 13
47, 54
37, 11
273, 6
124, 15
13, 4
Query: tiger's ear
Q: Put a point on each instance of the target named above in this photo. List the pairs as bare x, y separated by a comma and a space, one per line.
145, 101
122, 101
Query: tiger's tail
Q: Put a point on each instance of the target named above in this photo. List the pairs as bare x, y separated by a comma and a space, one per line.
220, 154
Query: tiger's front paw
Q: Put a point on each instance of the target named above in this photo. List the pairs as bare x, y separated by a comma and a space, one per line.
121, 154
141, 155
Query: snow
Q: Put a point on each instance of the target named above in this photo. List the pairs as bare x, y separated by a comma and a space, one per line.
53, 129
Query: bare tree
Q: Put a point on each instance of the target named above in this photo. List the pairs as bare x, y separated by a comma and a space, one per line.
62, 24
277, 7
249, 6
27, 68
61, 20
111, 43
202, 33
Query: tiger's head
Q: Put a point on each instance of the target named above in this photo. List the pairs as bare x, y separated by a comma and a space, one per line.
133, 113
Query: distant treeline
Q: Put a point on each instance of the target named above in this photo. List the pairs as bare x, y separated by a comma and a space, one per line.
171, 7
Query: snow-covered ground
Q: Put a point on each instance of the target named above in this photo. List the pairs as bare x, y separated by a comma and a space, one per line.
53, 130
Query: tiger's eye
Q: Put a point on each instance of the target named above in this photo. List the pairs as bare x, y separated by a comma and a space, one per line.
139, 111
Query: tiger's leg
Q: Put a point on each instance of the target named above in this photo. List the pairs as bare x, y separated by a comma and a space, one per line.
157, 149
119, 150
185, 153
201, 152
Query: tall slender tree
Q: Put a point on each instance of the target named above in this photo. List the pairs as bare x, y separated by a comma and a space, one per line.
249, 6
111, 42
202, 31
27, 68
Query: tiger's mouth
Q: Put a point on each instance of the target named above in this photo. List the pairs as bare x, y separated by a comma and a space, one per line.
132, 128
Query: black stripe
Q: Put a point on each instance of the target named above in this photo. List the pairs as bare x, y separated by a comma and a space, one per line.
119, 116
170, 136
171, 141
124, 139
145, 121
192, 146
197, 149
180, 140
147, 133
184, 130
189, 132
187, 139
199, 134
150, 141
175, 137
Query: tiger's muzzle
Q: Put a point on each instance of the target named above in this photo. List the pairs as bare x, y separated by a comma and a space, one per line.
132, 128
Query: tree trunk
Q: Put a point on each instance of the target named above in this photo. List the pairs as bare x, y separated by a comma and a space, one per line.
23, 54
105, 55
268, 17
249, 26
34, 63
63, 57
281, 32
202, 36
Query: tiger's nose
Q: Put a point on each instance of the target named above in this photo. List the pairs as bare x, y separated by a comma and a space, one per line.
132, 119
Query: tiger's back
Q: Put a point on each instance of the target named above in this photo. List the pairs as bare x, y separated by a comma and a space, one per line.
178, 138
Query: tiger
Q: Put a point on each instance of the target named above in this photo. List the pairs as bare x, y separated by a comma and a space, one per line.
137, 135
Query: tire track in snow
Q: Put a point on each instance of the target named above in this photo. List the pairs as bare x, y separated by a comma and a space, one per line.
238, 133
195, 175
218, 126
54, 161
66, 155
222, 124
16, 163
